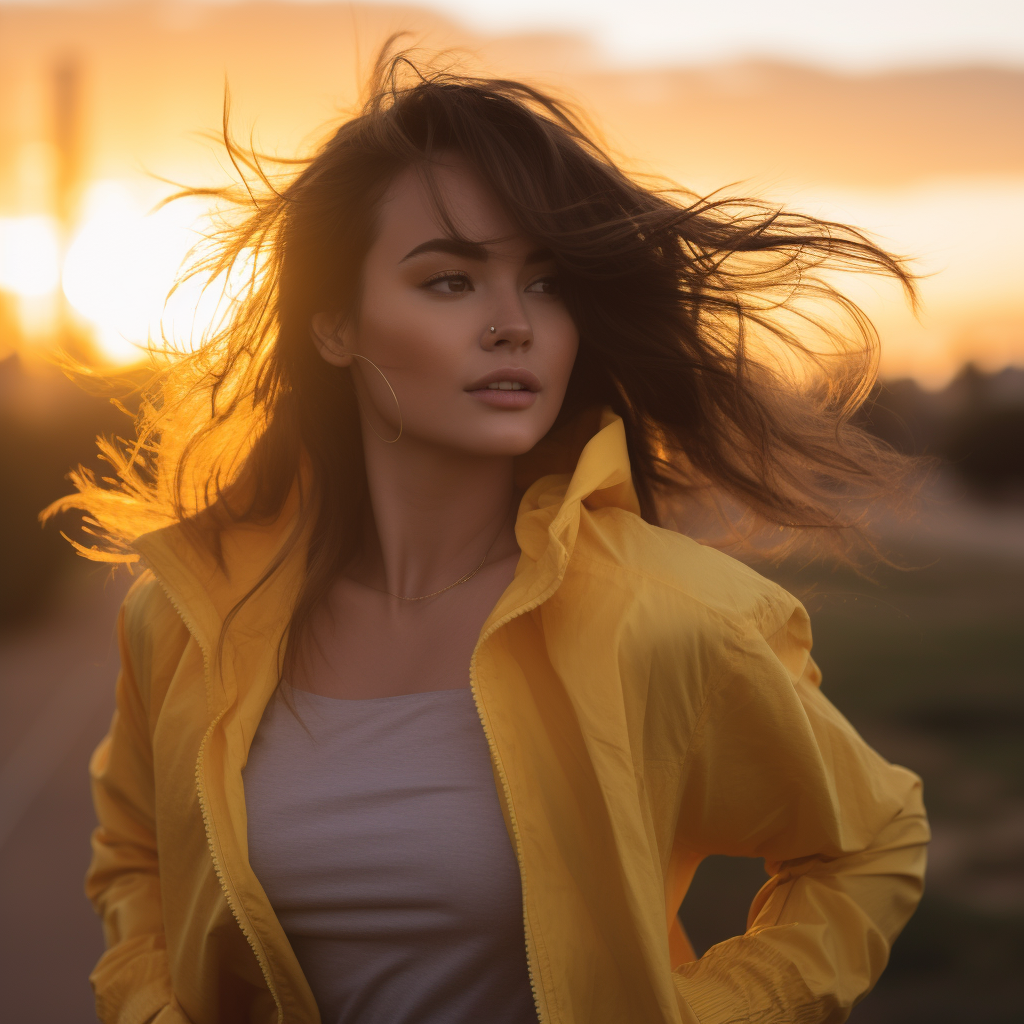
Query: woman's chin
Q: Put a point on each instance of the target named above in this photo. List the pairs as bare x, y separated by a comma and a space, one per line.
496, 440
477, 428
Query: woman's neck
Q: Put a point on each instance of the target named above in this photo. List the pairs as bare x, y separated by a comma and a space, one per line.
437, 513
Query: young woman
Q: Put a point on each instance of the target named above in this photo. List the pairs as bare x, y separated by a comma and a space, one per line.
422, 718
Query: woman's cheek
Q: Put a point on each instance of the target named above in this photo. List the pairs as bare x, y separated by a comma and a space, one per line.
564, 345
398, 341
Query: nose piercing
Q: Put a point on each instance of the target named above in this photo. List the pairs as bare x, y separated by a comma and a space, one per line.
493, 329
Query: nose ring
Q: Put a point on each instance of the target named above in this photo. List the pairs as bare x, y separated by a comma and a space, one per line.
493, 329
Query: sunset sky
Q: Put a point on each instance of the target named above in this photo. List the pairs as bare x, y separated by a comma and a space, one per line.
862, 36
902, 117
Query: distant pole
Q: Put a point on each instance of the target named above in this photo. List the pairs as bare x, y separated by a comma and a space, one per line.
67, 117
67, 137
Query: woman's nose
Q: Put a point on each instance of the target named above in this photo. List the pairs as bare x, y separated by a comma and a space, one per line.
510, 334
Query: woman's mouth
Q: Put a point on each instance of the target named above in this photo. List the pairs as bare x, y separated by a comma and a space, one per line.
507, 388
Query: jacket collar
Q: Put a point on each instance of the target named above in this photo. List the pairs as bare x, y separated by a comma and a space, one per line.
242, 676
205, 591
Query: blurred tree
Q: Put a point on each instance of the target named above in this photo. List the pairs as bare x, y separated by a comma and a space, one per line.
976, 424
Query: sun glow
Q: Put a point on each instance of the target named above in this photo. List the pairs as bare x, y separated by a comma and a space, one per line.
115, 274
29, 274
121, 266
29, 256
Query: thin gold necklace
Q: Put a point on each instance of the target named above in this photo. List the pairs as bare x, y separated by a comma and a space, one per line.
459, 581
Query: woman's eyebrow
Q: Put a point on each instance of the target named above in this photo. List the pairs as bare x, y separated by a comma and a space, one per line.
451, 246
539, 256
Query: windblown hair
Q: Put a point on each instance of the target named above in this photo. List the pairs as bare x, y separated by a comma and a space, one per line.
709, 324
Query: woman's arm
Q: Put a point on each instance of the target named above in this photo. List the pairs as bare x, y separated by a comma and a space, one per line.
775, 771
132, 980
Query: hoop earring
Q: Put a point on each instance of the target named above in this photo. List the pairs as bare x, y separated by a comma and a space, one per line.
401, 422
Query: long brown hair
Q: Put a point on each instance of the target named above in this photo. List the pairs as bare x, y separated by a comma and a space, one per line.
710, 324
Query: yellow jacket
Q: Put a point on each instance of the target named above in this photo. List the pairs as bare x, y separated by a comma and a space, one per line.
647, 701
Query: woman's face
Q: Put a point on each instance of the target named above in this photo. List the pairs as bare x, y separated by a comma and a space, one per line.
474, 338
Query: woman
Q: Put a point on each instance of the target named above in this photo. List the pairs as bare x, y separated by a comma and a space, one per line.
422, 718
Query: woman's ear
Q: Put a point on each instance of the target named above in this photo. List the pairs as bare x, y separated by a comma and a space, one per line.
329, 332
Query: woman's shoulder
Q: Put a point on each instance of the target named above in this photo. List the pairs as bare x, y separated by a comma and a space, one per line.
683, 577
686, 616
150, 622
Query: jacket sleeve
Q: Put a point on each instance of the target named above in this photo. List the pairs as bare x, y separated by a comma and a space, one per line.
775, 771
132, 980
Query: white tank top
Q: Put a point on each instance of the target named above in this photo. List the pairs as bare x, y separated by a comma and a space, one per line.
376, 832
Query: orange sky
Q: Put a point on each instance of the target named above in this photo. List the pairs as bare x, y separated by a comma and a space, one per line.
932, 161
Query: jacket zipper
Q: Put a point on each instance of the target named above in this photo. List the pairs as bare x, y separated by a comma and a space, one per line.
507, 792
241, 918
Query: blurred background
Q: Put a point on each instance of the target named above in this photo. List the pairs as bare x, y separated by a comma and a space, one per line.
904, 118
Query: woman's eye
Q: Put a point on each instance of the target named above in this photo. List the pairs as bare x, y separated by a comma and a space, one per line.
450, 284
545, 286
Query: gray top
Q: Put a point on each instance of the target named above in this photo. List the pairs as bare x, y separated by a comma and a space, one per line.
379, 840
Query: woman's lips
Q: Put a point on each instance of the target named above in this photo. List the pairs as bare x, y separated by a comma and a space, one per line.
505, 399
511, 387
